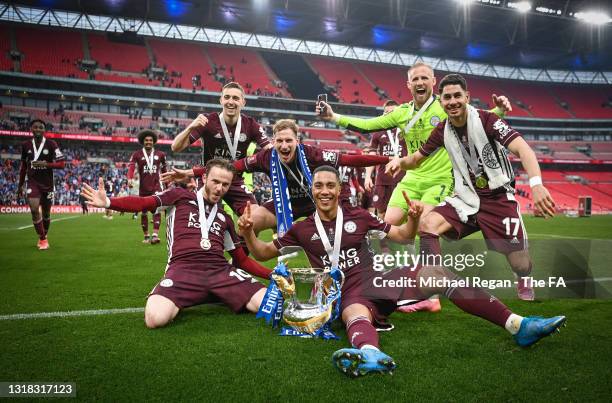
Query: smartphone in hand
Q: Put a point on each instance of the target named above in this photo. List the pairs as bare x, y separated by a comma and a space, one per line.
322, 98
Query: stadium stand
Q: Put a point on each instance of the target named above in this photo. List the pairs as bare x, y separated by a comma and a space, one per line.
5, 47
566, 186
188, 60
248, 68
586, 102
57, 52
365, 83
50, 52
351, 86
113, 54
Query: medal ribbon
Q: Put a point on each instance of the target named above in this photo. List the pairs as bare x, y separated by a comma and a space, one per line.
205, 222
148, 159
332, 252
470, 157
233, 147
416, 117
37, 151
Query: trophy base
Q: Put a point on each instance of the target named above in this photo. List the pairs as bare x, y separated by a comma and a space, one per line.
306, 317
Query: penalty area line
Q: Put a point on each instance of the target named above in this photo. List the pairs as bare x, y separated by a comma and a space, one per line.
65, 314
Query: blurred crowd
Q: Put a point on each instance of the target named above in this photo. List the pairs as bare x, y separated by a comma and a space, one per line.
80, 169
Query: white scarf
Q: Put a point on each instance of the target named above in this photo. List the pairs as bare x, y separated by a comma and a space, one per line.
465, 200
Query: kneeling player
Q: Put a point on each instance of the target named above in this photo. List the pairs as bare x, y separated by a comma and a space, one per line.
198, 233
368, 297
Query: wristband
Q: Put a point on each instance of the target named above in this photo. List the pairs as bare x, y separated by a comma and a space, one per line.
107, 204
535, 181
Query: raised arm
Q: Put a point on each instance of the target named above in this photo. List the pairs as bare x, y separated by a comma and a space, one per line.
383, 122
502, 105
261, 251
182, 141
133, 204
407, 231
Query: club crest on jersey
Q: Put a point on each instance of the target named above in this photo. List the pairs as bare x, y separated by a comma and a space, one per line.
166, 283
350, 227
434, 121
45, 151
375, 198
488, 157
156, 157
242, 138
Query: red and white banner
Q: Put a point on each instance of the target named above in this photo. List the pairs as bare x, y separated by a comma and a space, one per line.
54, 209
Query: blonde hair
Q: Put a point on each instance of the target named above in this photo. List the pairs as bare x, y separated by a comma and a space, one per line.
419, 64
286, 124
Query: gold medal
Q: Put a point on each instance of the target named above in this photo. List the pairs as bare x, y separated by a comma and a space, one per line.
481, 182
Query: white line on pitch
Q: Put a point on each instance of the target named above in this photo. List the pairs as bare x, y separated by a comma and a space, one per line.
590, 280
65, 314
52, 221
561, 236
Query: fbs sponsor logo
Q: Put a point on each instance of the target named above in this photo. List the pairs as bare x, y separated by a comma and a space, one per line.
329, 156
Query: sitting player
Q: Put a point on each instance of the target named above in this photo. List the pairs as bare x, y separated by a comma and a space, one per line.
366, 300
198, 233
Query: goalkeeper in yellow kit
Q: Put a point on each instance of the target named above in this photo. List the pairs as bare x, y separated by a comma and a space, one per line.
432, 181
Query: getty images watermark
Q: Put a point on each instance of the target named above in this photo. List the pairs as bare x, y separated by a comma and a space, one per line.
458, 262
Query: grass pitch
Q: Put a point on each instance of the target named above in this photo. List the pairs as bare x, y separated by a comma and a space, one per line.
208, 353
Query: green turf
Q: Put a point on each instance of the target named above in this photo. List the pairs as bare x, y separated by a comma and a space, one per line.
208, 353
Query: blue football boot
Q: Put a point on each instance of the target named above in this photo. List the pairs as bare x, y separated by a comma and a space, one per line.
533, 328
354, 362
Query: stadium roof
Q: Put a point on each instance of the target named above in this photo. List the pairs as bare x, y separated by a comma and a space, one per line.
487, 31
